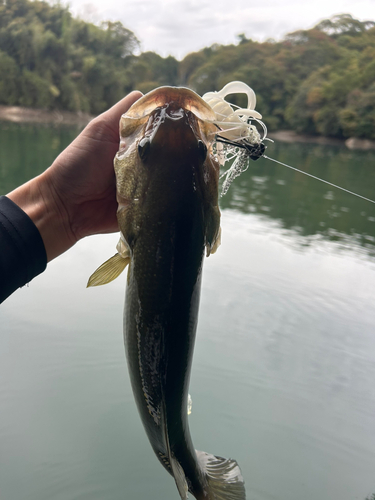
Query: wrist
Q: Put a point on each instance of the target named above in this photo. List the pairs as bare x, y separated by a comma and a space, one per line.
38, 200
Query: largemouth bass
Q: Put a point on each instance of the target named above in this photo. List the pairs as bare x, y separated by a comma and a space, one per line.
168, 214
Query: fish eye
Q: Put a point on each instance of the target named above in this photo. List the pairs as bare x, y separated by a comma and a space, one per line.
202, 150
144, 148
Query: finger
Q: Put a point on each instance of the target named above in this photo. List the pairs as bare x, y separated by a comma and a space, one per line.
113, 115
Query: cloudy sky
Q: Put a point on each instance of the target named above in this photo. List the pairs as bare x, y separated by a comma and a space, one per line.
179, 27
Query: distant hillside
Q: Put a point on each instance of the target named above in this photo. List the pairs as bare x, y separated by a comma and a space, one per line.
317, 81
50, 60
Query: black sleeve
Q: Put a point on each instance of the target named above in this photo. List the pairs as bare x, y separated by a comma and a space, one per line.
22, 252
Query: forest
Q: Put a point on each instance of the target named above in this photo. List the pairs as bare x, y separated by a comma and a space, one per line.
319, 81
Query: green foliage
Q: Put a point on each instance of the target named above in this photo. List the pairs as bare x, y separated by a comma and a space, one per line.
149, 70
317, 81
338, 99
50, 60
274, 70
9, 74
36, 92
344, 24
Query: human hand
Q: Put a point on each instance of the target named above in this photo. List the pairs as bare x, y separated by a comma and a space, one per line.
76, 196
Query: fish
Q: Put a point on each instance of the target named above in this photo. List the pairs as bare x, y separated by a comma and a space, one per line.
167, 180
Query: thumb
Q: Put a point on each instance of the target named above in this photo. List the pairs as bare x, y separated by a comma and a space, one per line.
113, 115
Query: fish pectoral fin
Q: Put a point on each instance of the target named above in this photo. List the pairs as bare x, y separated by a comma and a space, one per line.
213, 230
223, 476
108, 271
212, 249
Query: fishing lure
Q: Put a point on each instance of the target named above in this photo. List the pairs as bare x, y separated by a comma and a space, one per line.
238, 138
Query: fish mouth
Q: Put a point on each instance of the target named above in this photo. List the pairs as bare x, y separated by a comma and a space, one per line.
184, 98
172, 132
160, 108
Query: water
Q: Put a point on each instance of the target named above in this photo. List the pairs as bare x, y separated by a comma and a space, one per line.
284, 368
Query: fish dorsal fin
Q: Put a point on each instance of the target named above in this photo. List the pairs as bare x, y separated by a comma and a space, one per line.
108, 271
224, 478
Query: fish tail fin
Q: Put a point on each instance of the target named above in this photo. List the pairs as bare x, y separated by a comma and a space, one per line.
108, 271
224, 478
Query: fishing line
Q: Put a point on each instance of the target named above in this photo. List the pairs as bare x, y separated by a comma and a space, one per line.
241, 139
321, 180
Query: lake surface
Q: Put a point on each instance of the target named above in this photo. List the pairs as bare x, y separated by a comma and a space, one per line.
283, 377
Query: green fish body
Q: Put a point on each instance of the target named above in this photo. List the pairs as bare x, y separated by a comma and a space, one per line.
167, 190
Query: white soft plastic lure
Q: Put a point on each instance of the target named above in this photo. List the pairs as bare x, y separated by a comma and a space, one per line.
235, 124
239, 139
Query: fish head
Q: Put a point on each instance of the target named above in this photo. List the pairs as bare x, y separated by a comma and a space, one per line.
165, 159
172, 136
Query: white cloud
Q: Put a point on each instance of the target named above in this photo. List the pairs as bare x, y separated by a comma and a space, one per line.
178, 27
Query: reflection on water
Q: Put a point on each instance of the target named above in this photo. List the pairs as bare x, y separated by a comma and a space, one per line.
284, 368
311, 210
27, 150
308, 207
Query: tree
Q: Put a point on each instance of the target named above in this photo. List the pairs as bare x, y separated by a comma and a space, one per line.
61, 62
9, 74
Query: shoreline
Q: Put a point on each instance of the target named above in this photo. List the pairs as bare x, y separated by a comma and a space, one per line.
291, 136
18, 114
353, 143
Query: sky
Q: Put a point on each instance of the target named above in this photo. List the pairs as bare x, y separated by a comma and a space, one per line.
172, 27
